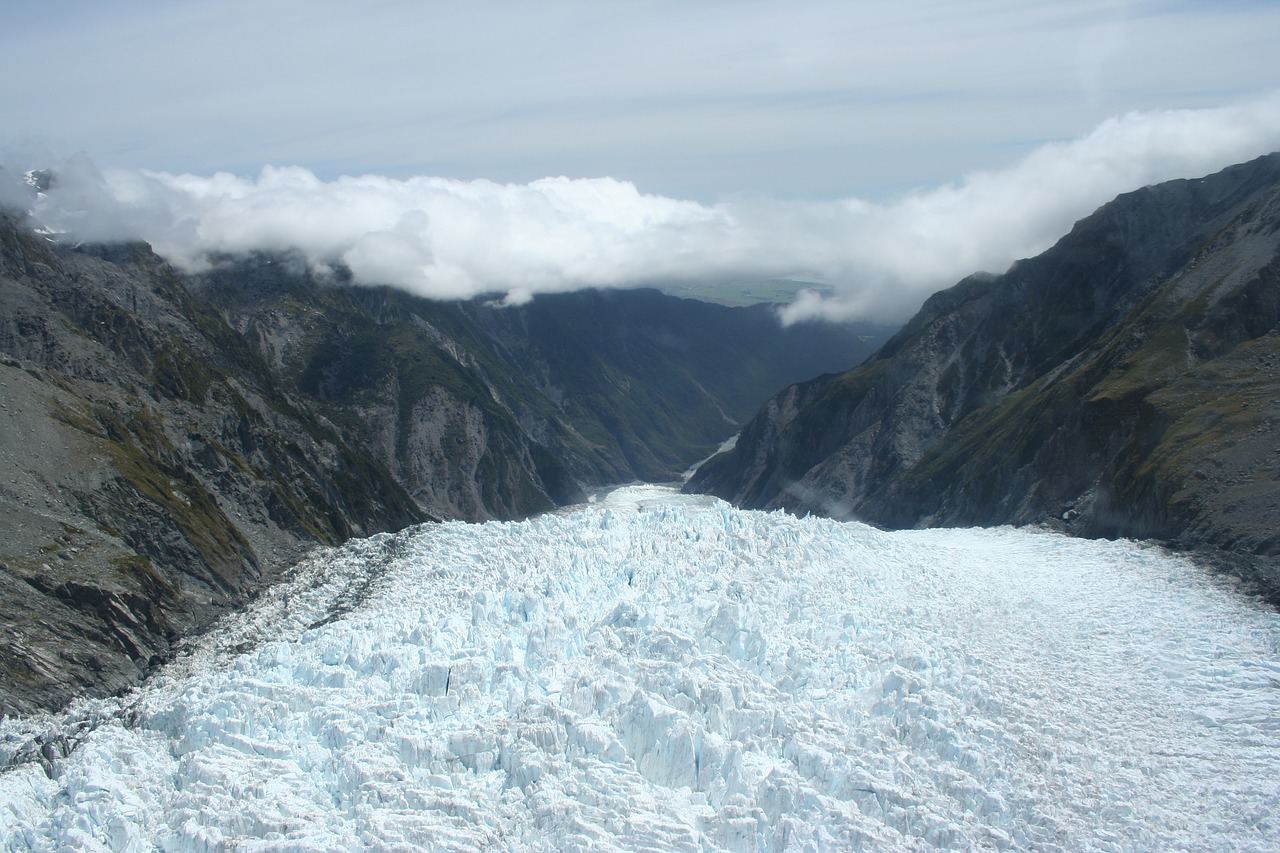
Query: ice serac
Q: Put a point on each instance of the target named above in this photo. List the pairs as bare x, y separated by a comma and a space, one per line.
659, 671
1126, 381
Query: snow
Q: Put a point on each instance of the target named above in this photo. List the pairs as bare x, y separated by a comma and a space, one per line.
665, 672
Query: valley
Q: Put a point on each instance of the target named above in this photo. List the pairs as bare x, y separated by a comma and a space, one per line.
709, 427
169, 443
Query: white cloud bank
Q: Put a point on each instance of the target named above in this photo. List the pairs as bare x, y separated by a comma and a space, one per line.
447, 239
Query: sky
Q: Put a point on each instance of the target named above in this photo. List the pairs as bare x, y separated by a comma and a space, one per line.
524, 147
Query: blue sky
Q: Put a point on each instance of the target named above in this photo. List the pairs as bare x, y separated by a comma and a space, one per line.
693, 100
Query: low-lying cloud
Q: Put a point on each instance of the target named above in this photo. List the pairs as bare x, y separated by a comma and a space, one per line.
449, 239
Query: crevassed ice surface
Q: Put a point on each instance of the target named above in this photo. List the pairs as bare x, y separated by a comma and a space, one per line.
656, 672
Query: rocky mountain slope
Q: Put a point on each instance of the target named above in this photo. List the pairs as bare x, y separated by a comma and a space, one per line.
1125, 382
169, 444
152, 470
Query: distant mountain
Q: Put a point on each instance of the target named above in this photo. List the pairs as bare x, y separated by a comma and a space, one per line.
168, 443
1124, 383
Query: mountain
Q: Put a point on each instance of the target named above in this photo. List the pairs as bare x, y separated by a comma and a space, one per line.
153, 472
169, 443
484, 411
1126, 382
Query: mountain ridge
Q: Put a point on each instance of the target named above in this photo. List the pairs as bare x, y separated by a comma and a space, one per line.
1121, 383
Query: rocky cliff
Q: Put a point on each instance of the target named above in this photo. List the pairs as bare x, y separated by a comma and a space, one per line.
1125, 382
168, 443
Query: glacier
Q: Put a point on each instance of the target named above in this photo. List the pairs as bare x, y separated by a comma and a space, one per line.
656, 671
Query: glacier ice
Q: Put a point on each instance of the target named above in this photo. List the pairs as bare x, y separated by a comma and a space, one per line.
665, 672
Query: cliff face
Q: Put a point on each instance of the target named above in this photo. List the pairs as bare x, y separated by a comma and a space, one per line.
1125, 382
168, 444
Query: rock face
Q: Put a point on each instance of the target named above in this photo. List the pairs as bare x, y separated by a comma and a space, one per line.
169, 444
1125, 382
152, 471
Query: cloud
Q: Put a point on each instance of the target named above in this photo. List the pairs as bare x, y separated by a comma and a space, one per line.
448, 239
14, 194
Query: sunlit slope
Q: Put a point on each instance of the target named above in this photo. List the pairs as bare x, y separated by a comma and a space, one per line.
666, 672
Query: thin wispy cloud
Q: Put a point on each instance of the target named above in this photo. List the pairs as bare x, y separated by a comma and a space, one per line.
444, 238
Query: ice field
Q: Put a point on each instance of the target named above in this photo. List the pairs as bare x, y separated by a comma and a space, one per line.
659, 672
